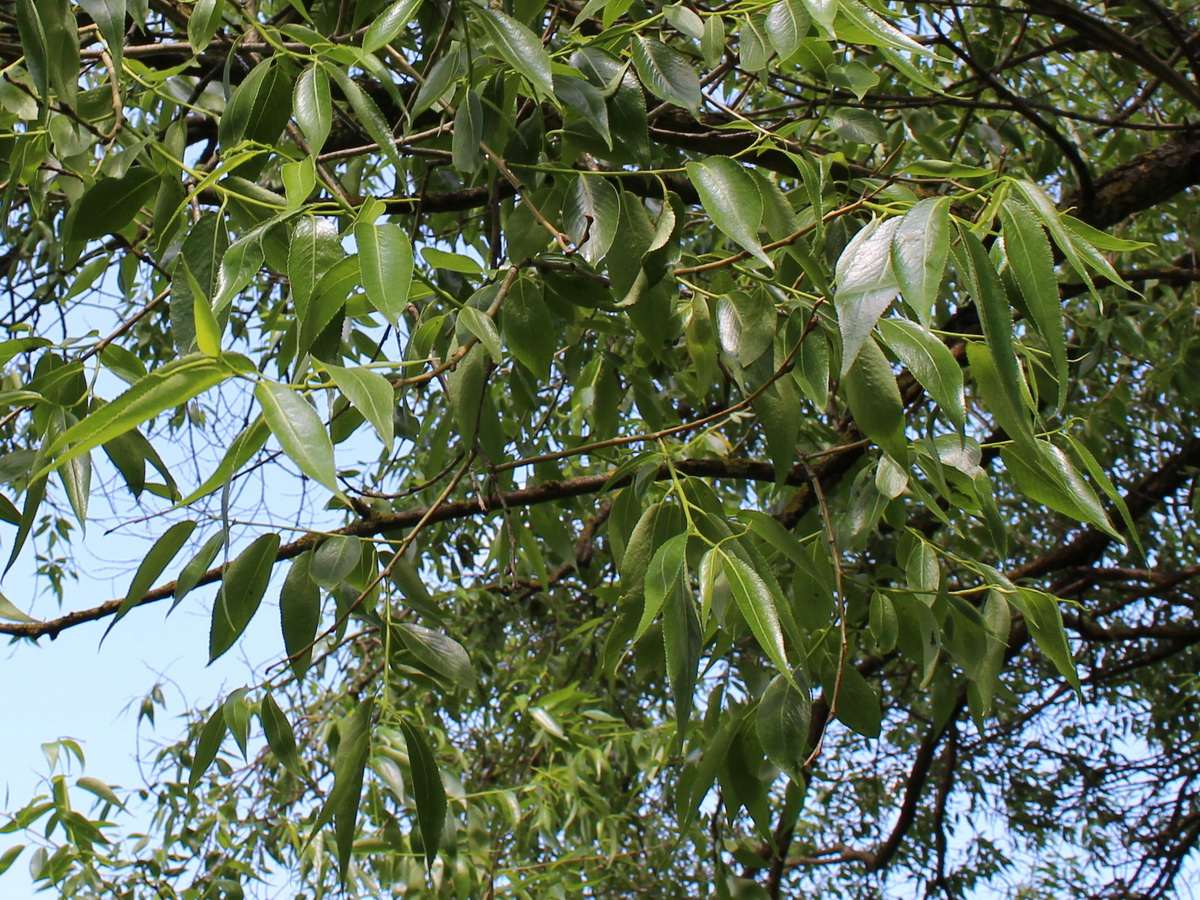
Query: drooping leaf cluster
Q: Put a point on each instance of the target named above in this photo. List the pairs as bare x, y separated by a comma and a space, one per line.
711, 450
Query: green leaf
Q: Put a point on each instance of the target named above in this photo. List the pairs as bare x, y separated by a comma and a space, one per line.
62, 48
9, 856
480, 324
866, 286
683, 642
109, 16
920, 246
871, 28
784, 715
525, 320
313, 250
586, 100
1046, 475
466, 154
169, 386
248, 442
335, 559
664, 573
823, 11
259, 107
299, 431
440, 654
33, 45
203, 23
110, 204
207, 746
385, 258
667, 74
519, 47
11, 613
591, 213
242, 588
299, 613
787, 25
732, 199
369, 116
875, 402
314, 106
371, 394
857, 705
191, 573
858, 126
1006, 405
164, 550
428, 790
384, 29
930, 362
342, 802
1044, 619
756, 603
1032, 266
278, 732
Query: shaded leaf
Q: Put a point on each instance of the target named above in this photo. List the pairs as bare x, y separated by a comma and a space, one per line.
242, 588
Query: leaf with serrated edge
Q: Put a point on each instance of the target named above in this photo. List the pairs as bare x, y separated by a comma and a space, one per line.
758, 606
866, 286
731, 198
386, 260
242, 588
371, 394
784, 714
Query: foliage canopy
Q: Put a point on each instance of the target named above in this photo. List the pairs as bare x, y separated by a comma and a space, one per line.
741, 449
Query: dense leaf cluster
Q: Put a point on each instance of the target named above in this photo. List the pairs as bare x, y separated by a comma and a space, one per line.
743, 449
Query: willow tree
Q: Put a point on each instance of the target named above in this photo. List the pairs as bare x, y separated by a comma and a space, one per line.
746, 449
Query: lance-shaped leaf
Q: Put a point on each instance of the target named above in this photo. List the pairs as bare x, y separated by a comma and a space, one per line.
428, 789
920, 245
165, 388
385, 258
591, 213
784, 714
754, 599
278, 732
683, 641
313, 250
242, 588
439, 654
191, 573
1032, 265
1046, 475
354, 748
666, 73
109, 16
383, 30
248, 442
875, 401
299, 613
110, 204
930, 362
207, 746
732, 199
371, 394
866, 286
299, 431
203, 23
368, 115
314, 106
519, 47
259, 107
1044, 619
787, 25
665, 571
156, 561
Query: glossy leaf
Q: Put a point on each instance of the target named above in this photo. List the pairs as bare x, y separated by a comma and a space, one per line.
371, 395
111, 204
242, 588
386, 261
314, 106
866, 287
666, 73
299, 613
384, 29
758, 606
875, 402
428, 789
930, 362
299, 431
784, 715
439, 653
732, 199
591, 212
920, 246
191, 573
519, 47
